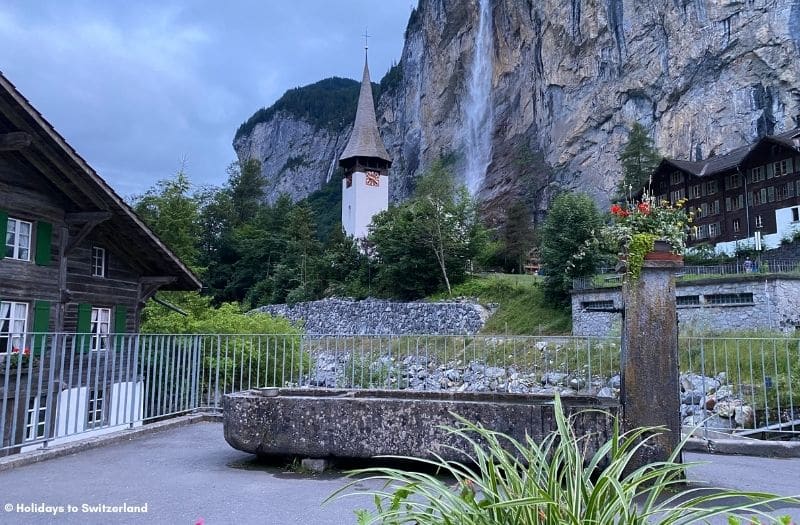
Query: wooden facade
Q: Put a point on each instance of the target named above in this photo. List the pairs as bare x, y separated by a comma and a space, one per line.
72, 246
748, 191
75, 259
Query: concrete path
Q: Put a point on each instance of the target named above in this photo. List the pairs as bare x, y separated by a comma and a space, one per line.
189, 473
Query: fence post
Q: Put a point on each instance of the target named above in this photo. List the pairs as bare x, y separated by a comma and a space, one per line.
649, 390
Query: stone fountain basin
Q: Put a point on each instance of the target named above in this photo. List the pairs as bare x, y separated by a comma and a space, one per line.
324, 423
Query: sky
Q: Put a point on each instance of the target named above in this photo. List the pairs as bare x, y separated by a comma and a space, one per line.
142, 88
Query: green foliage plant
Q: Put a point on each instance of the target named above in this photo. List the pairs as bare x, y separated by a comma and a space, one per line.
507, 481
565, 244
634, 227
243, 350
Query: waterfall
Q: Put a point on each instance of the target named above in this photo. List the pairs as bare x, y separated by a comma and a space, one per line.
478, 139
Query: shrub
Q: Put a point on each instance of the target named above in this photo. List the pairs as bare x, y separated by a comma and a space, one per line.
549, 482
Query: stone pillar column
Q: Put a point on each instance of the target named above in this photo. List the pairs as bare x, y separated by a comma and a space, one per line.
649, 390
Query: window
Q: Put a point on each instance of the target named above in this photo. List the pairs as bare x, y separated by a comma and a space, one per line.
676, 177
737, 225
760, 196
13, 326
95, 412
757, 174
688, 300
713, 230
781, 167
36, 419
734, 181
100, 328
729, 298
759, 221
734, 203
714, 208
677, 195
795, 214
18, 239
702, 211
771, 194
597, 305
782, 192
711, 187
701, 232
98, 261
697, 191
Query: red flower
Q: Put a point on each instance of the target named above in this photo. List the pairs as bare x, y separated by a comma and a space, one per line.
616, 209
644, 208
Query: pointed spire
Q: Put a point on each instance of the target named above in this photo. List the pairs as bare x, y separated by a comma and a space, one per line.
365, 140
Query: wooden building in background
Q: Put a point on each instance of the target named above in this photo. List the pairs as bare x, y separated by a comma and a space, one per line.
750, 192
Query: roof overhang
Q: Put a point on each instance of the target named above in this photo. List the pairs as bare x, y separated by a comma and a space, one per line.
50, 154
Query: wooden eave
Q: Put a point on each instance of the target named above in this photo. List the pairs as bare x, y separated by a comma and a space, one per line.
51, 155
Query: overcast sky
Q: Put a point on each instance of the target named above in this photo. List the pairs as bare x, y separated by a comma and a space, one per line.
135, 87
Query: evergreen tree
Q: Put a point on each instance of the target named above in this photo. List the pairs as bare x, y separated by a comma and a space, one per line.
172, 212
570, 223
639, 160
518, 236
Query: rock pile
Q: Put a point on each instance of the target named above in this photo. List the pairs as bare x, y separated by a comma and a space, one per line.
713, 402
334, 316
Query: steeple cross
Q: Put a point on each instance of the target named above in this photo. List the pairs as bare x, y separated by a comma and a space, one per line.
366, 36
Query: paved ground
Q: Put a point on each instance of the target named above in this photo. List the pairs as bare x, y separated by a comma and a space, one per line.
189, 473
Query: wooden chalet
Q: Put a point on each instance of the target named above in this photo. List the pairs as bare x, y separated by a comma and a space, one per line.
750, 193
76, 260
75, 254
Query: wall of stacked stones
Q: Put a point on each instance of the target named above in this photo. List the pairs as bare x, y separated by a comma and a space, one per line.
380, 317
775, 305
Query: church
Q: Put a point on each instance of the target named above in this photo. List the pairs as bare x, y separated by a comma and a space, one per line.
366, 163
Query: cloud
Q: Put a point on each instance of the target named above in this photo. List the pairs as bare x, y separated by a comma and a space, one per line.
136, 87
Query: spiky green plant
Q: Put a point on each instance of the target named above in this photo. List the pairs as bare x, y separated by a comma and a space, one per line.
553, 482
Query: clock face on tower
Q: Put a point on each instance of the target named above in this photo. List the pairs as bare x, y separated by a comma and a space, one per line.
373, 178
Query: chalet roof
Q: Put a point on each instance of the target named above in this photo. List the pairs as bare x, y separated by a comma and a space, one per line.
51, 155
365, 140
731, 160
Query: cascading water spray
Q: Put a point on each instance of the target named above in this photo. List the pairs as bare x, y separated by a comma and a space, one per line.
478, 110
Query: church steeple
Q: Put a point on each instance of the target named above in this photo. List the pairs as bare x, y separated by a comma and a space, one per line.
365, 185
365, 140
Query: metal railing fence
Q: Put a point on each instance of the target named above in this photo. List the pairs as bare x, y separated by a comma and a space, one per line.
57, 387
742, 386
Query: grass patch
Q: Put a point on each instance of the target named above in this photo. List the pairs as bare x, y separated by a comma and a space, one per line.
521, 306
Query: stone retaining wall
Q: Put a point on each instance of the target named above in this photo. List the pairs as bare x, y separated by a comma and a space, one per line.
775, 305
379, 317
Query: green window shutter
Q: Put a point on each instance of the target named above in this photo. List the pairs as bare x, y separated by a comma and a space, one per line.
44, 239
84, 342
120, 318
3, 232
41, 324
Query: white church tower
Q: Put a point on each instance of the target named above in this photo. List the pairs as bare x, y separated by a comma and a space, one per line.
365, 186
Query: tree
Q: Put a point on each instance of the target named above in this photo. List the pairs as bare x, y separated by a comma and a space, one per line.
639, 160
172, 212
568, 231
446, 221
246, 188
518, 236
427, 242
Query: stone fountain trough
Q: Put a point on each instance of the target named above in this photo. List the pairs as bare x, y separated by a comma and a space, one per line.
327, 423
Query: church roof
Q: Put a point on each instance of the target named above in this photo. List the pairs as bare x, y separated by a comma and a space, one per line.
365, 140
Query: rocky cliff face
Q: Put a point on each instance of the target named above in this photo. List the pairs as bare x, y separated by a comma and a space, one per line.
297, 156
569, 78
